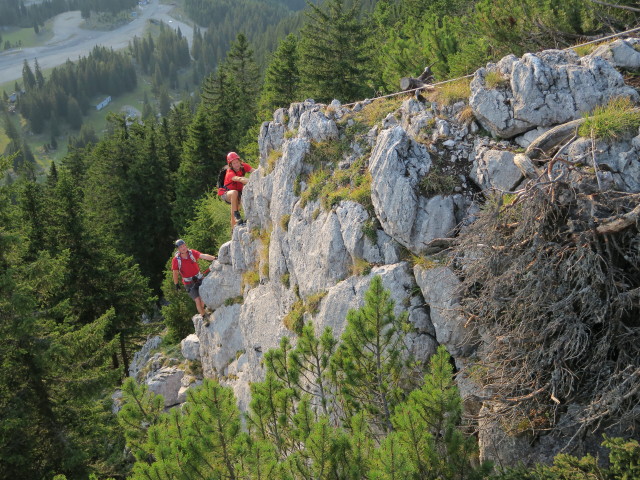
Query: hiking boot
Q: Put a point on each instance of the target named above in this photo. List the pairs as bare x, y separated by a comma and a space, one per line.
237, 216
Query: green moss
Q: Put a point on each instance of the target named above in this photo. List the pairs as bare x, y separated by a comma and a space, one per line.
284, 279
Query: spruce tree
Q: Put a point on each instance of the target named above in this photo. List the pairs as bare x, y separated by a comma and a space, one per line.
243, 69
28, 78
333, 52
197, 171
281, 79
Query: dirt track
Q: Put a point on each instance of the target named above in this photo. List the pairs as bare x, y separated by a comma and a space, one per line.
71, 42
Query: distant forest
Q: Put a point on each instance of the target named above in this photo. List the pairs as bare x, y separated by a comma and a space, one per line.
16, 13
84, 247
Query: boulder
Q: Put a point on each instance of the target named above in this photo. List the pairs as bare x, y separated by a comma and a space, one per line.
495, 169
166, 382
620, 53
190, 347
544, 89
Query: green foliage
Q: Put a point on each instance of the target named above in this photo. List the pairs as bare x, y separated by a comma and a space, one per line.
333, 40
281, 78
618, 118
369, 364
205, 436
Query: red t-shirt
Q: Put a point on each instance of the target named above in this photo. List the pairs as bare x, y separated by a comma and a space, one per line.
189, 268
246, 168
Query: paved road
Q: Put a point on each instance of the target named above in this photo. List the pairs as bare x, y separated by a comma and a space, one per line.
71, 42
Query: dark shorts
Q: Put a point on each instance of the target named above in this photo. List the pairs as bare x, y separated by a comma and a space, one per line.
193, 289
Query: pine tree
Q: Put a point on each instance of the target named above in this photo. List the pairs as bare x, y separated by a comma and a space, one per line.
203, 440
333, 53
426, 428
38, 75
370, 362
305, 368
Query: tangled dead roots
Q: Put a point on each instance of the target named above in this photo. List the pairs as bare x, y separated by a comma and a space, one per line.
551, 281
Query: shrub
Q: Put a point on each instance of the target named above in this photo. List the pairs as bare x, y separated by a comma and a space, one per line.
294, 320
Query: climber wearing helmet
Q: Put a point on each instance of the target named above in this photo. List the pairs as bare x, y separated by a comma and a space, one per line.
185, 263
234, 181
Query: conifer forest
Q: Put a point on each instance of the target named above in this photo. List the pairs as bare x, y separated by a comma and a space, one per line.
86, 241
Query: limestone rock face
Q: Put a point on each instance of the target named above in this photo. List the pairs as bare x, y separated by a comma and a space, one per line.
495, 169
220, 340
397, 165
221, 284
293, 246
317, 252
543, 89
167, 382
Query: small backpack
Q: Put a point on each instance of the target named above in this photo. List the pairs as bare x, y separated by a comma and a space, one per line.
221, 175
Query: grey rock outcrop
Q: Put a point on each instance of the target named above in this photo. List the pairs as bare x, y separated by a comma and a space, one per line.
294, 246
190, 347
167, 382
543, 89
397, 165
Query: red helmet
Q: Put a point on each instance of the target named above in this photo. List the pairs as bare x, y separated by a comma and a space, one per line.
231, 156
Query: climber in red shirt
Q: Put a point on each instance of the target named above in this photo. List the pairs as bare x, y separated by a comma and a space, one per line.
185, 262
234, 182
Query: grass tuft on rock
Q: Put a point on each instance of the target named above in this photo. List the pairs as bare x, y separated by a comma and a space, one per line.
620, 117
